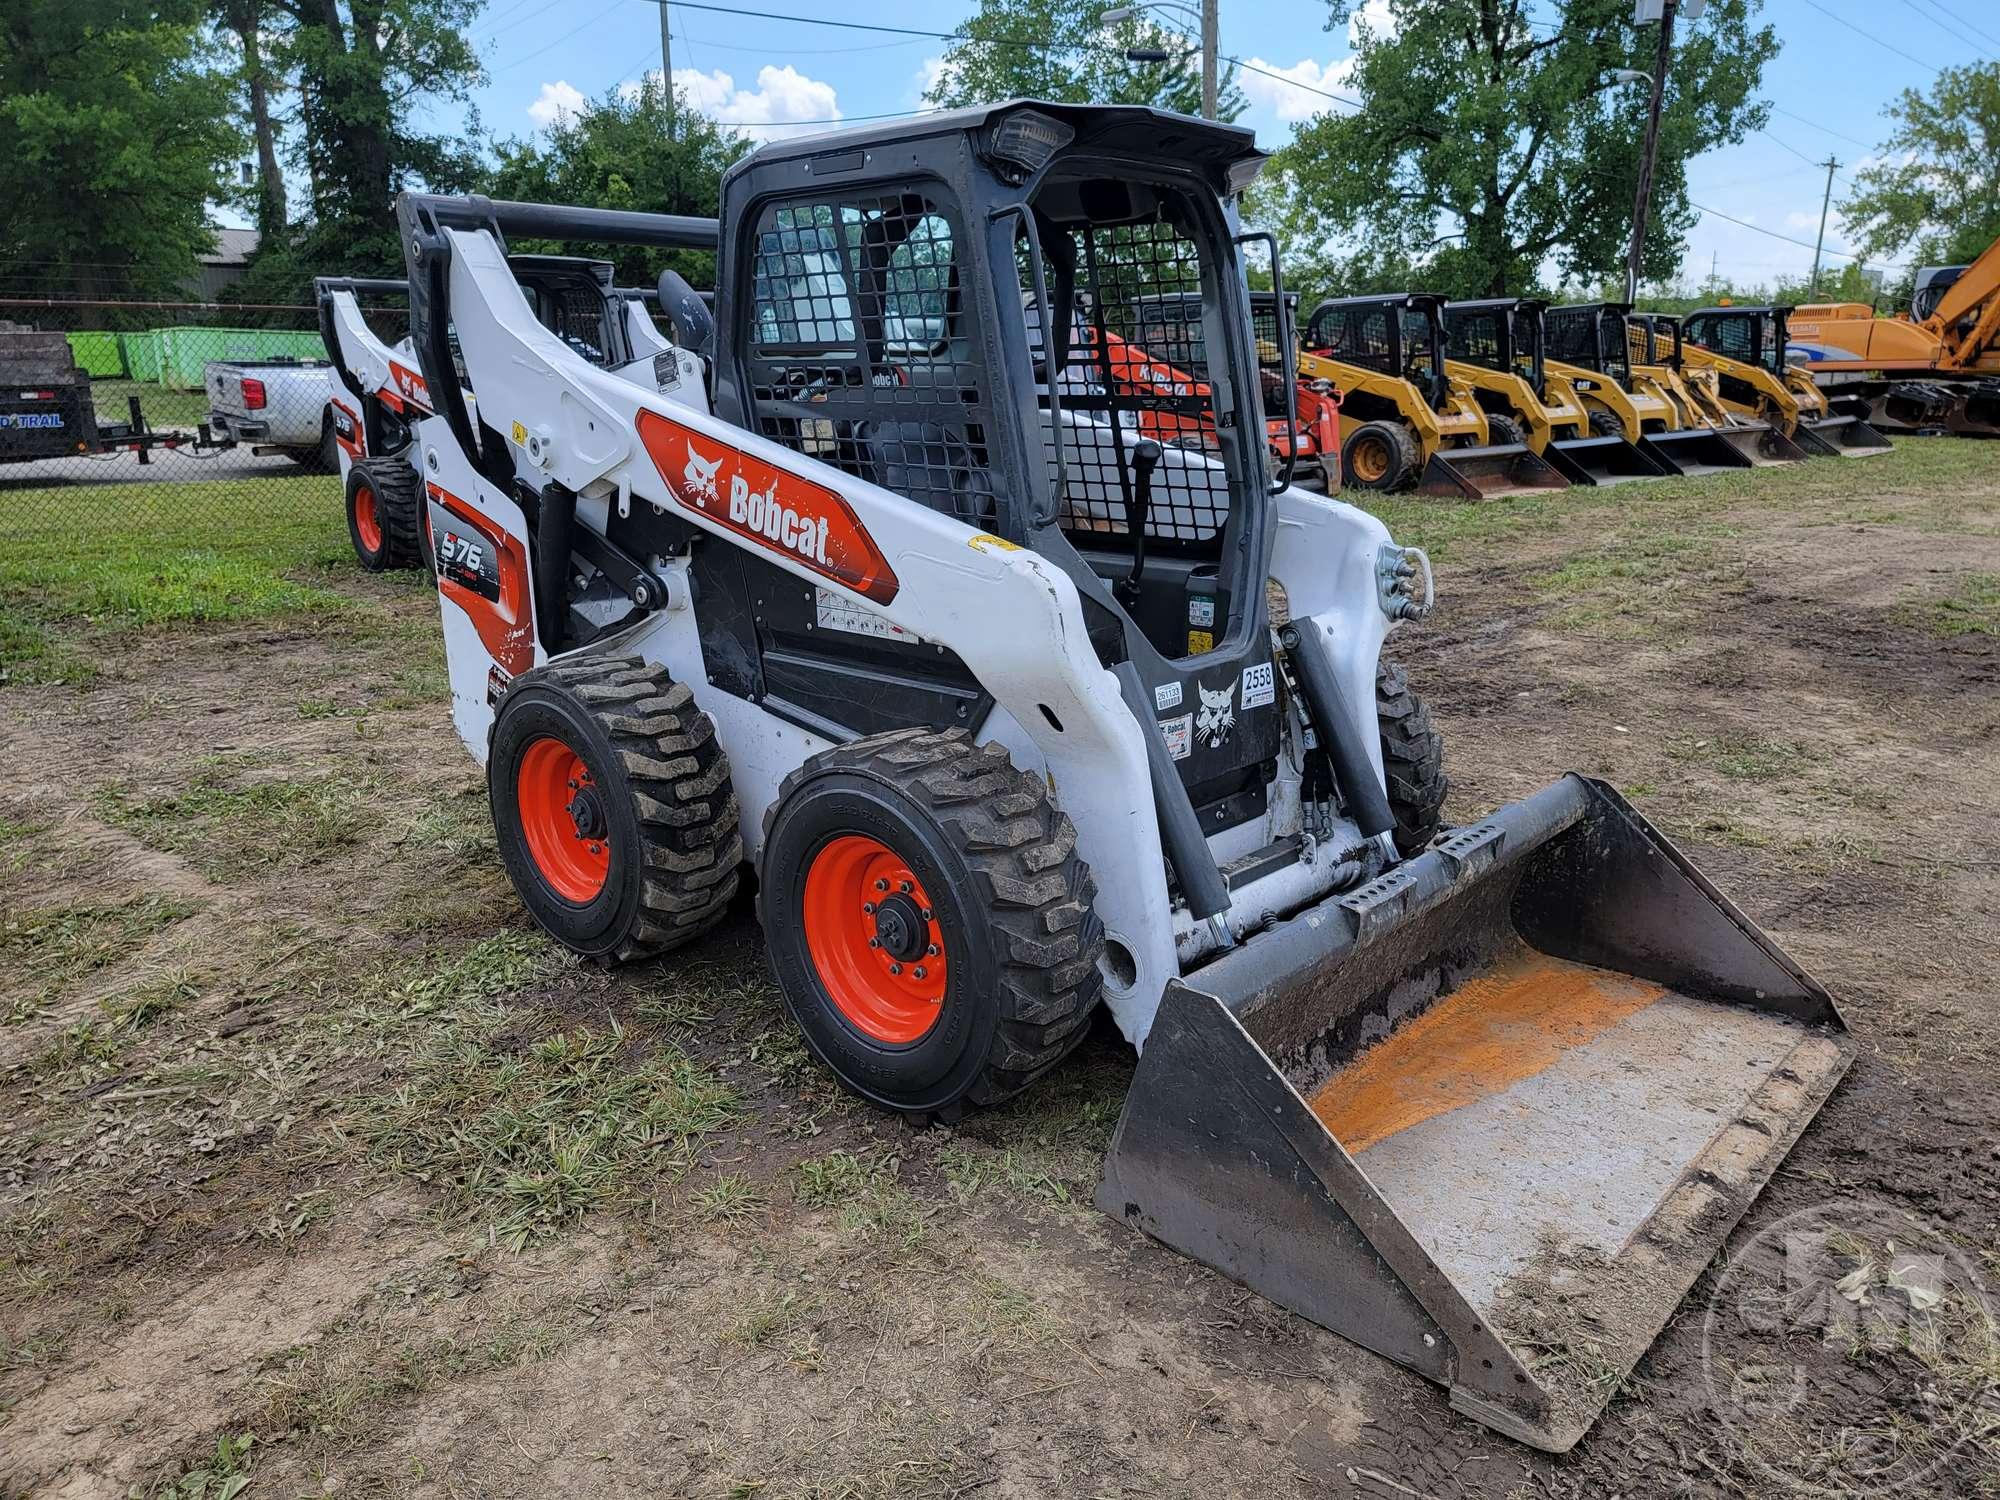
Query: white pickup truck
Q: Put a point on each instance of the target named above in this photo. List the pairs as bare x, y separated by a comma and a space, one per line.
274, 405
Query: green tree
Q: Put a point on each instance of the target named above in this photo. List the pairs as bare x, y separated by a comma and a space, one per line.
1937, 192
625, 151
1061, 50
115, 132
1488, 142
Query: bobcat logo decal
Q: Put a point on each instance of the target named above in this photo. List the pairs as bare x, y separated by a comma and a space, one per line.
700, 476
1217, 716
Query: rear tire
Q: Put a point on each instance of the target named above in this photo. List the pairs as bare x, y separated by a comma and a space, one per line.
382, 514
1504, 429
922, 851
1381, 456
613, 808
1412, 759
1604, 424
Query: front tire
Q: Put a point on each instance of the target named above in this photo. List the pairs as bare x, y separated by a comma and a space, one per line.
1412, 760
383, 519
613, 808
928, 921
1381, 456
1503, 430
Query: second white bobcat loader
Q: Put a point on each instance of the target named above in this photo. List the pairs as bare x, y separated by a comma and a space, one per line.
1011, 707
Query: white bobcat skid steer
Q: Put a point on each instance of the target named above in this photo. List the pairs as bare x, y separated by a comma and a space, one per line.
386, 391
984, 680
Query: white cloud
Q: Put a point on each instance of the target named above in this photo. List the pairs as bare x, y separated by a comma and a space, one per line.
930, 73
1290, 94
555, 100
780, 104
1376, 17
1797, 220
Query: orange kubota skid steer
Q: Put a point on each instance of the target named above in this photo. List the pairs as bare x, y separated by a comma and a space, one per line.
862, 583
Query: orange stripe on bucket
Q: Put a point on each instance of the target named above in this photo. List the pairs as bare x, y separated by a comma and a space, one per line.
1514, 1020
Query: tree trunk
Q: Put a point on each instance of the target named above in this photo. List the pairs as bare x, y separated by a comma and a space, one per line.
273, 213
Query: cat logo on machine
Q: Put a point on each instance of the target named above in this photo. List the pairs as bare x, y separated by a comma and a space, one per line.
1217, 716
770, 507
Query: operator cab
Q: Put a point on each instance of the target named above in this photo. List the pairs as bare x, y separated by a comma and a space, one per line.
1400, 335
1592, 335
1749, 335
1499, 333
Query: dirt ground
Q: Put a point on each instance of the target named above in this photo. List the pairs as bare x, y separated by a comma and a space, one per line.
309, 1138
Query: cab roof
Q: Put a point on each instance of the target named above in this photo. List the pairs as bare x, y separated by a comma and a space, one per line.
1131, 128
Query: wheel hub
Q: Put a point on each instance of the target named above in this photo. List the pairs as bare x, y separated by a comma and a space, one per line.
901, 929
586, 811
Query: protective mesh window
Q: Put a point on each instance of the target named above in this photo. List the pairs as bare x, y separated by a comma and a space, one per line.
1416, 330
1358, 336
1733, 337
1137, 367
575, 314
860, 354
1475, 338
1572, 337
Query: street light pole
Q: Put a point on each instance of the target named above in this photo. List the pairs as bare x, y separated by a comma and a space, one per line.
1642, 200
1210, 25
667, 67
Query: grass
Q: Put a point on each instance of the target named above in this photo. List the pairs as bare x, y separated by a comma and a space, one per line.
53, 947
282, 823
163, 406
1971, 608
80, 561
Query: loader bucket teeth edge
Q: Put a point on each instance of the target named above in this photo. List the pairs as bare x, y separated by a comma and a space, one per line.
1488, 1115
1848, 437
1489, 473
1694, 451
1602, 461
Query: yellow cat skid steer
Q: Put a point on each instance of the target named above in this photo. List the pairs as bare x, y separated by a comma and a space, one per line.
872, 584
1495, 350
1588, 345
1404, 422
1745, 347
1657, 348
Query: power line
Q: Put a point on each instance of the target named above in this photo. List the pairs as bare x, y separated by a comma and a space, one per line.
1969, 26
1943, 25
1802, 244
1836, 134
1885, 46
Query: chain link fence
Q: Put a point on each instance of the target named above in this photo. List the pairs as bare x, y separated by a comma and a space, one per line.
141, 415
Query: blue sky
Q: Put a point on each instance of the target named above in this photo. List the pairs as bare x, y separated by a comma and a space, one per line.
1830, 83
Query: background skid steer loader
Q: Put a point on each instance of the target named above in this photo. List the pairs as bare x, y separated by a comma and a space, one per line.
882, 604
1407, 424
1745, 346
1588, 345
1657, 349
1495, 351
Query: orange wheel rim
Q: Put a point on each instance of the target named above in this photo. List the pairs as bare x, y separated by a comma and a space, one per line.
874, 939
564, 819
1371, 458
367, 524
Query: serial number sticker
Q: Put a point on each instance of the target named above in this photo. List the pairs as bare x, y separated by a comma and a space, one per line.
1179, 735
1258, 685
832, 612
1167, 695
1201, 610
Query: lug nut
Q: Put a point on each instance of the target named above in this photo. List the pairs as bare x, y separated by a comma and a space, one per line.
920, 971
868, 907
874, 942
927, 913
931, 951
881, 885
905, 887
895, 968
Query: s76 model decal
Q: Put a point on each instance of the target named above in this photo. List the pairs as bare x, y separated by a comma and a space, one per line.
772, 507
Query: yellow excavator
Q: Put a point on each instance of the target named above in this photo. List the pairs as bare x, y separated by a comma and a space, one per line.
1494, 349
1405, 424
1746, 348
1589, 346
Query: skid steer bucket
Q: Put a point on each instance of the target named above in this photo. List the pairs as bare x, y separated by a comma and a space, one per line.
1602, 461
1488, 1115
1489, 473
1695, 451
1839, 437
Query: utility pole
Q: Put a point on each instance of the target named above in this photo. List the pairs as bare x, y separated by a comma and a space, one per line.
1642, 200
667, 67
1812, 287
1210, 25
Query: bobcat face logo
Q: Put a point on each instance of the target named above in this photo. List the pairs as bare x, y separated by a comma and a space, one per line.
1217, 716
700, 476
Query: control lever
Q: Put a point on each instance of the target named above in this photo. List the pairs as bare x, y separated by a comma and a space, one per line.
1146, 455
